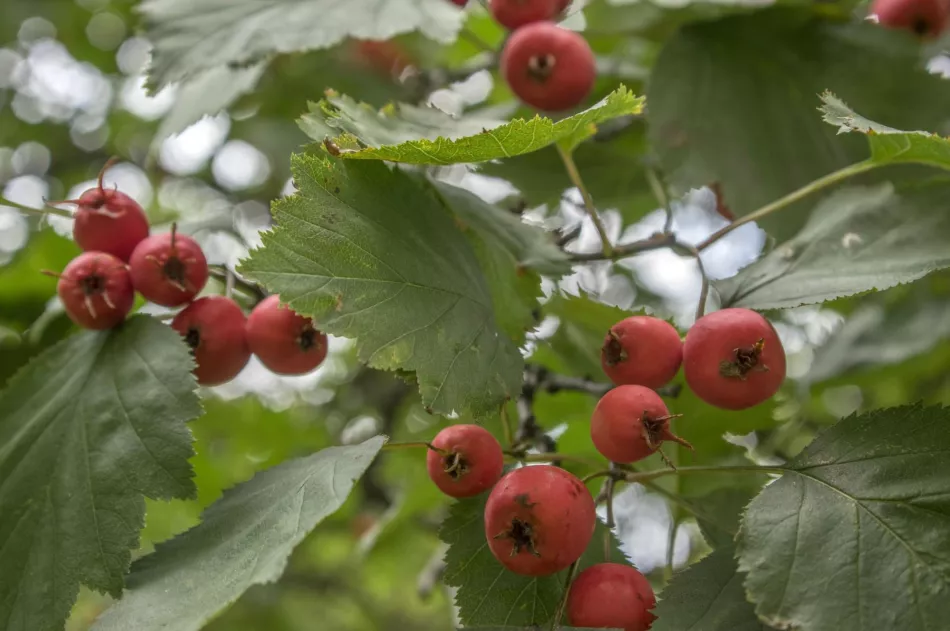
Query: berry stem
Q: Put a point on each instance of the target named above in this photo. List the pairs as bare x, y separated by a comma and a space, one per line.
640, 477
415, 445
575, 177
662, 196
49, 210
670, 546
655, 242
559, 614
250, 289
506, 424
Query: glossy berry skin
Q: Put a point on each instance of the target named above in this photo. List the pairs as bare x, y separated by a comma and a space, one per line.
925, 18
168, 269
472, 462
96, 290
538, 520
630, 423
214, 329
514, 14
286, 342
108, 221
548, 67
642, 350
733, 359
611, 596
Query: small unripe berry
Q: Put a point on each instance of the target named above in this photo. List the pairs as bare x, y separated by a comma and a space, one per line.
286, 342
538, 520
214, 329
642, 350
630, 423
611, 595
733, 359
548, 67
514, 14
925, 18
168, 269
96, 290
469, 460
108, 221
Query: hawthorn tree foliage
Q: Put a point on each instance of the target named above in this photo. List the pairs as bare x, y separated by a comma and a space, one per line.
703, 289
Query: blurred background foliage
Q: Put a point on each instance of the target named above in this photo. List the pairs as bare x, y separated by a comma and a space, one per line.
212, 153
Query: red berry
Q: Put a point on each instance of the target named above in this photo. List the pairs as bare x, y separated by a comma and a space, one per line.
470, 461
611, 595
926, 18
96, 290
285, 342
630, 423
460, 3
562, 5
642, 350
548, 67
538, 520
168, 269
108, 221
733, 359
214, 329
514, 14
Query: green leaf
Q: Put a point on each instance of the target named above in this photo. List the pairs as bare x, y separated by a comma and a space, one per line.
853, 536
400, 133
489, 594
888, 145
189, 38
244, 539
371, 254
88, 428
719, 513
733, 101
707, 596
857, 240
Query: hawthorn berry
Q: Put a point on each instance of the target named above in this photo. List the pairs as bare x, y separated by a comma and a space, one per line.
460, 3
611, 595
538, 520
514, 14
924, 18
642, 350
108, 221
214, 329
96, 290
733, 359
168, 269
630, 423
548, 67
286, 342
466, 460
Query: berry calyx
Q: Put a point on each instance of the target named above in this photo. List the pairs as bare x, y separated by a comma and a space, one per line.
611, 595
96, 290
733, 359
214, 329
924, 18
630, 423
642, 350
168, 269
465, 460
538, 520
108, 221
548, 67
514, 14
286, 342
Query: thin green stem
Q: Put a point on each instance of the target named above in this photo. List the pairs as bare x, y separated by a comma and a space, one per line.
397, 446
659, 191
704, 291
506, 424
670, 547
575, 177
822, 182
48, 210
559, 614
553, 456
660, 473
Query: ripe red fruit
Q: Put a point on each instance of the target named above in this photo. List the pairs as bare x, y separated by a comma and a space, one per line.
733, 359
168, 269
548, 67
562, 5
538, 520
611, 595
460, 3
642, 350
630, 423
514, 14
470, 461
925, 18
96, 290
285, 342
386, 58
108, 221
214, 329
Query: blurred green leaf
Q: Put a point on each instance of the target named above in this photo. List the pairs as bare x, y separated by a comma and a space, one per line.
87, 428
244, 539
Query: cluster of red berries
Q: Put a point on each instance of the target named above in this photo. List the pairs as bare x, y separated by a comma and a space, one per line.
97, 289
924, 18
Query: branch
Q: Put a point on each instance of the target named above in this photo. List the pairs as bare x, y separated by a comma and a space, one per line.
576, 179
656, 242
222, 274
